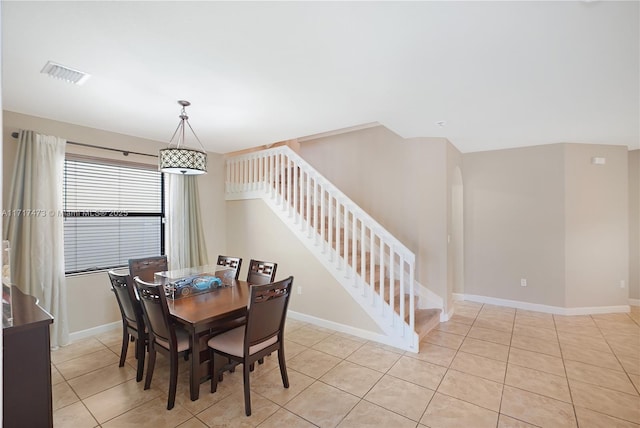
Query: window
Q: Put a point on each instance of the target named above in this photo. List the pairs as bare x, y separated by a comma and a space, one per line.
113, 211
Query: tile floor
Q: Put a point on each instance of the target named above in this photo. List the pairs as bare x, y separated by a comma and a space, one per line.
488, 367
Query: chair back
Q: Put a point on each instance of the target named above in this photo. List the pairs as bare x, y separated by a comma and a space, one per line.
147, 266
261, 273
232, 262
156, 311
266, 312
128, 302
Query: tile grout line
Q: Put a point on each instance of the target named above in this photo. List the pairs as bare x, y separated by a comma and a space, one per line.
566, 374
400, 355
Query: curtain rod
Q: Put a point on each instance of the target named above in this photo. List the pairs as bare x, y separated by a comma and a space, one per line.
124, 152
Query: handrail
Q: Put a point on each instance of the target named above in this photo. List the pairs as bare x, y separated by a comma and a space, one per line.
380, 230
337, 229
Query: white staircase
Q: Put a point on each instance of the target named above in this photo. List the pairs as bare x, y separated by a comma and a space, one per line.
373, 266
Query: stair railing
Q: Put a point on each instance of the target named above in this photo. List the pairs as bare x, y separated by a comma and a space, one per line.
368, 256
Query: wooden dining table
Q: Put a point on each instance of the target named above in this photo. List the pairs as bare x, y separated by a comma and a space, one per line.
200, 313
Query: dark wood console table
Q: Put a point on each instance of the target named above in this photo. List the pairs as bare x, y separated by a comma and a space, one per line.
27, 365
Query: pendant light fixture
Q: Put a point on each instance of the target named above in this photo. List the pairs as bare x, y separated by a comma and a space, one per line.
177, 159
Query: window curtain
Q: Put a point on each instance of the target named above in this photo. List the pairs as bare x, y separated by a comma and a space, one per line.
35, 229
184, 235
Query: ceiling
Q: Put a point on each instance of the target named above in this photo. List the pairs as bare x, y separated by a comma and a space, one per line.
498, 74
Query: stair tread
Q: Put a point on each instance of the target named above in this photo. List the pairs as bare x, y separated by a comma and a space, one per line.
426, 320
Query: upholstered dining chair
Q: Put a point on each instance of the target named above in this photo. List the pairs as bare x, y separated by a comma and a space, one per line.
133, 326
164, 335
231, 262
262, 334
261, 272
145, 267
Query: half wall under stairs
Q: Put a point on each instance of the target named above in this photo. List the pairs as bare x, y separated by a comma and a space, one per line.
372, 265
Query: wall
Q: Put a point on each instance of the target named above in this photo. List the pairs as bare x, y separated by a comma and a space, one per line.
94, 287
455, 220
401, 183
545, 213
596, 226
254, 231
514, 224
634, 225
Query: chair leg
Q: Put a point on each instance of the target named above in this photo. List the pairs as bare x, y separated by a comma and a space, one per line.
247, 392
173, 380
125, 346
140, 356
150, 367
214, 376
283, 367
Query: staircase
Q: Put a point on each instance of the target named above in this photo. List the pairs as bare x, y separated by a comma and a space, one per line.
373, 266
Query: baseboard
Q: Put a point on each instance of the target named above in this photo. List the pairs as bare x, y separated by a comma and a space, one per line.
83, 334
558, 310
354, 331
634, 302
446, 316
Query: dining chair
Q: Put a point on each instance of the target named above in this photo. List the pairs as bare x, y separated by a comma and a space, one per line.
262, 334
133, 325
164, 335
145, 267
232, 262
261, 273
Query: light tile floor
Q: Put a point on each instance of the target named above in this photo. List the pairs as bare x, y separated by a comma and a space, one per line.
488, 367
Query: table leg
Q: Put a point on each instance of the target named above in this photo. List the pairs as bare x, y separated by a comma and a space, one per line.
194, 381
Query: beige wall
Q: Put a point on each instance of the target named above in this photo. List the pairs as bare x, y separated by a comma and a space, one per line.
455, 219
596, 226
94, 288
634, 224
254, 231
514, 224
545, 213
402, 184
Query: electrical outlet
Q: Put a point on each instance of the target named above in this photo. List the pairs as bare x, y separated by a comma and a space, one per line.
299, 290
523, 282
622, 283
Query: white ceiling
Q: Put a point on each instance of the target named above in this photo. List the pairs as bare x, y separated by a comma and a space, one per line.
501, 74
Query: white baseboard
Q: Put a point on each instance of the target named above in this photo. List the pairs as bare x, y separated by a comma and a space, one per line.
558, 310
457, 297
446, 316
354, 331
83, 334
380, 338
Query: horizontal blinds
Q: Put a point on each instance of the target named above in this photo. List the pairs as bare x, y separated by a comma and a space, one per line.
95, 186
112, 213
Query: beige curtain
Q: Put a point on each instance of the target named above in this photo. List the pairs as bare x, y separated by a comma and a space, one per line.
185, 242
34, 226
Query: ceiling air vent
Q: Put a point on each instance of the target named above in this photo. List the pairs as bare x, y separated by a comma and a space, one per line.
65, 73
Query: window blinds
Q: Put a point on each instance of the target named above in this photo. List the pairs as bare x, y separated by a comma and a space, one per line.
113, 212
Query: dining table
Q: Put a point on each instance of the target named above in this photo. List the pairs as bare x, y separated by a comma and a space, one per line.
202, 313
